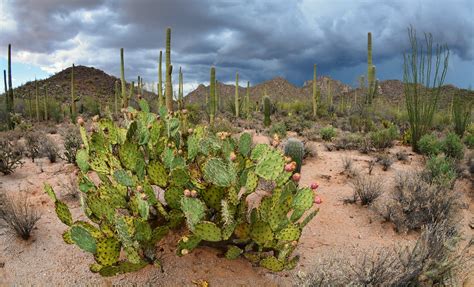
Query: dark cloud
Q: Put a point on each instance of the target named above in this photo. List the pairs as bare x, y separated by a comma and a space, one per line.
260, 39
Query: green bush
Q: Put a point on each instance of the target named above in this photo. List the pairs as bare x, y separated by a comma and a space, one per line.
440, 170
429, 145
279, 129
328, 133
156, 176
469, 141
384, 138
452, 146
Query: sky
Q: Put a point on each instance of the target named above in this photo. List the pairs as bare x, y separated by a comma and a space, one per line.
258, 39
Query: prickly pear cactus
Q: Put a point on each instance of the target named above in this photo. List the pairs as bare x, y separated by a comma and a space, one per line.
149, 175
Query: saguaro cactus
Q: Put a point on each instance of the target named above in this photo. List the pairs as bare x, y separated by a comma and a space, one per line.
45, 103
10, 102
6, 90
169, 71
315, 94
37, 102
237, 94
247, 100
371, 85
73, 97
132, 91
180, 90
212, 96
122, 80
116, 96
161, 101
266, 111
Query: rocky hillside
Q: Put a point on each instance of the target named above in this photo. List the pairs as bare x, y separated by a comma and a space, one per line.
88, 82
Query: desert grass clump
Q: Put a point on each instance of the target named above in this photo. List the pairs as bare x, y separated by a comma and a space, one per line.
328, 133
366, 190
385, 161
17, 215
10, 156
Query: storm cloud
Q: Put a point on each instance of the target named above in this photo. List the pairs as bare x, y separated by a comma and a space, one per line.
258, 39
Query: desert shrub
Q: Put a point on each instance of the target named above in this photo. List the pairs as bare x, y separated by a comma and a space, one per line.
384, 138
72, 143
49, 149
90, 106
33, 144
224, 125
347, 163
385, 161
366, 190
328, 133
462, 110
297, 123
17, 215
452, 146
402, 156
433, 260
310, 149
429, 145
152, 178
279, 129
469, 141
10, 156
349, 142
440, 170
416, 203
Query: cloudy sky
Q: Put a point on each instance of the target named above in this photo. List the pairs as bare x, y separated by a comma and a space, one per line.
259, 39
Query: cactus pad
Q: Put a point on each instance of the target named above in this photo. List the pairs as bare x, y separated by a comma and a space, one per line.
245, 144
67, 237
82, 238
212, 196
123, 178
303, 199
82, 160
122, 267
187, 243
208, 231
270, 165
63, 213
179, 177
261, 232
218, 172
271, 263
173, 196
157, 173
233, 252
194, 211
290, 233
108, 251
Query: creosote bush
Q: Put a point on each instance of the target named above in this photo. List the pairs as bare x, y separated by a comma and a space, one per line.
452, 146
328, 133
17, 215
72, 143
156, 175
429, 145
384, 138
366, 190
49, 149
33, 145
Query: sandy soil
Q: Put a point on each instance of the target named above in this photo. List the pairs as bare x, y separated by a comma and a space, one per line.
45, 260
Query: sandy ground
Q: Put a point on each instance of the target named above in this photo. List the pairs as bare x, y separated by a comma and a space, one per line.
45, 260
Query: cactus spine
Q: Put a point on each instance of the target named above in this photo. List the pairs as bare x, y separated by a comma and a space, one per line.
169, 70
160, 83
212, 96
37, 102
315, 94
73, 97
237, 95
122, 80
180, 91
10, 102
266, 111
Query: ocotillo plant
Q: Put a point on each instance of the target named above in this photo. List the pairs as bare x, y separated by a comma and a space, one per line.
212, 96
315, 94
10, 102
247, 100
161, 101
6, 90
37, 102
73, 97
421, 87
461, 114
122, 80
236, 95
180, 90
169, 70
266, 111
